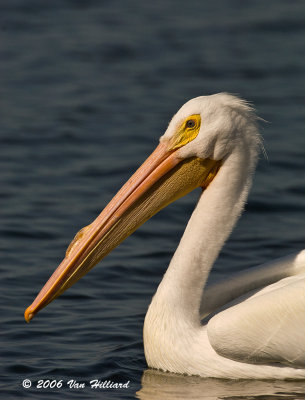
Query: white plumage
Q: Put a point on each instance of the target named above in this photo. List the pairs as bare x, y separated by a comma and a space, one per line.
267, 328
254, 323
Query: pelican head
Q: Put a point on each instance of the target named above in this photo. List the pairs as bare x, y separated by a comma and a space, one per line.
199, 138
225, 122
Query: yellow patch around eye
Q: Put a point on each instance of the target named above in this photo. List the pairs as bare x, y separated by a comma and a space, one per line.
187, 132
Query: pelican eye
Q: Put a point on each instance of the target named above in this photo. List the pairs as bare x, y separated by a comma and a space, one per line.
190, 123
187, 131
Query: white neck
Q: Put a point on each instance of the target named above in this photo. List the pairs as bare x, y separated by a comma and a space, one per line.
212, 221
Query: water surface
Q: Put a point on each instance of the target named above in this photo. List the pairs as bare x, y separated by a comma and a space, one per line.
87, 87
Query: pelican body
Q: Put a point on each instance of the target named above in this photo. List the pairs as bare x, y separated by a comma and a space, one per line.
252, 325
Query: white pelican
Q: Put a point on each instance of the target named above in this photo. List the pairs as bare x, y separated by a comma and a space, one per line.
213, 143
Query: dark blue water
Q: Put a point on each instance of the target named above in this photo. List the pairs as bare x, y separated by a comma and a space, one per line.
87, 87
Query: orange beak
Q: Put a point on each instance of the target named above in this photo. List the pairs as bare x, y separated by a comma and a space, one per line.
162, 178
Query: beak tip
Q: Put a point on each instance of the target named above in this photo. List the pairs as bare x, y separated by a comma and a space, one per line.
28, 314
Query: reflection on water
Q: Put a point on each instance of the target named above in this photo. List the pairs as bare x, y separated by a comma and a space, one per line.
163, 385
87, 87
